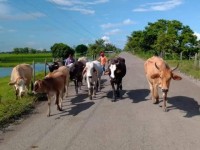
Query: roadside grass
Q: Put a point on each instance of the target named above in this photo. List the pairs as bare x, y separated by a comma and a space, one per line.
185, 66
10, 108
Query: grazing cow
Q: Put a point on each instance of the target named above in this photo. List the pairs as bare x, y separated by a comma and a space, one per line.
52, 84
76, 74
158, 73
116, 70
21, 77
93, 71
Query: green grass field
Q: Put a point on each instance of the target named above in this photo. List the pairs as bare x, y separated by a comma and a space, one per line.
10, 60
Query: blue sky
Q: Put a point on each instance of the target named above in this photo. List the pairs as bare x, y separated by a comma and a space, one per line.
41, 23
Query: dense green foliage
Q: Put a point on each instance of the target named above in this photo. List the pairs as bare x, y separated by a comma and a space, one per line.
100, 46
164, 37
81, 49
61, 50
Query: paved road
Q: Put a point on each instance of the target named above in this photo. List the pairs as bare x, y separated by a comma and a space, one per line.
131, 123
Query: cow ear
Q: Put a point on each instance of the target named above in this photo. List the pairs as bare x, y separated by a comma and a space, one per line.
154, 76
176, 77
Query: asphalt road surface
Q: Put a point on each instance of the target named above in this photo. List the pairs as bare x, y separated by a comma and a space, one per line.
131, 123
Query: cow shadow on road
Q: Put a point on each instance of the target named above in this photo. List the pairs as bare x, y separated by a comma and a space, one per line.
78, 104
186, 104
138, 95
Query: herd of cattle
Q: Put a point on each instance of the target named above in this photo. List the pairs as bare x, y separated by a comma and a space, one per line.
56, 83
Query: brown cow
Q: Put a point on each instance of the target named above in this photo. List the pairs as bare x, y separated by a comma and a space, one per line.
53, 84
21, 77
158, 73
65, 70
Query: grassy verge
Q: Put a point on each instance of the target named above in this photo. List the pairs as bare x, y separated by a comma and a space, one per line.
185, 66
10, 108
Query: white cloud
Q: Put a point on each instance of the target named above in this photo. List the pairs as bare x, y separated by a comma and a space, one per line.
113, 32
159, 6
106, 39
81, 10
28, 16
198, 35
128, 22
113, 25
78, 5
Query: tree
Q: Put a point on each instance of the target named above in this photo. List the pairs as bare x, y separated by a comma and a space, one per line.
60, 50
163, 36
82, 49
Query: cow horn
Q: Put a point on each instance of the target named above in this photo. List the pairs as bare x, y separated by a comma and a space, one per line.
157, 66
12, 83
175, 67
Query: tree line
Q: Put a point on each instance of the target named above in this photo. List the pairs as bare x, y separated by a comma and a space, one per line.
62, 50
164, 37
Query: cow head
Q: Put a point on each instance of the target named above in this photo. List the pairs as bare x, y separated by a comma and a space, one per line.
91, 73
20, 86
114, 69
37, 88
164, 76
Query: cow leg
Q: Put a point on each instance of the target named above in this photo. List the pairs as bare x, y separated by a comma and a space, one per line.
113, 88
16, 94
94, 89
155, 93
49, 105
61, 99
90, 92
76, 85
164, 102
57, 100
117, 91
99, 84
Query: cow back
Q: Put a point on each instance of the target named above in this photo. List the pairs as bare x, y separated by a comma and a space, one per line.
24, 71
76, 70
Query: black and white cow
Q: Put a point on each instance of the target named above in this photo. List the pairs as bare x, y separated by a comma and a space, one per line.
76, 74
116, 70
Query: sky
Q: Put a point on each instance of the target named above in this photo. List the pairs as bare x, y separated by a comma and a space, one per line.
39, 24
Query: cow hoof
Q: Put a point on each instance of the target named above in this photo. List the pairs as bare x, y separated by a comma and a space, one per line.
155, 102
165, 109
90, 97
48, 115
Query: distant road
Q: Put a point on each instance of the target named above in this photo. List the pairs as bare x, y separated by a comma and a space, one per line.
130, 123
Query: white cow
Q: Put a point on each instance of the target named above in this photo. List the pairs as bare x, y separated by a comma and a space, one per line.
21, 76
93, 72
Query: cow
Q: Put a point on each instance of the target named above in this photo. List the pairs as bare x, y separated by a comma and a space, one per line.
93, 72
65, 70
76, 74
21, 77
83, 59
55, 65
116, 71
52, 84
159, 74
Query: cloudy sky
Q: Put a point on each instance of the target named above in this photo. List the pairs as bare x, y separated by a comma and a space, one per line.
41, 23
